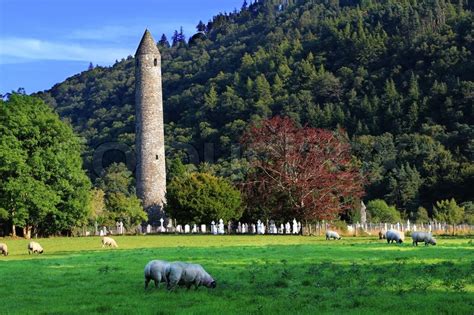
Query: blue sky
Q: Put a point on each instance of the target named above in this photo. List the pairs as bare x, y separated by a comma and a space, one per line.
43, 42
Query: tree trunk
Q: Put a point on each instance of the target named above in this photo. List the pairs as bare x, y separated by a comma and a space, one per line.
13, 230
27, 232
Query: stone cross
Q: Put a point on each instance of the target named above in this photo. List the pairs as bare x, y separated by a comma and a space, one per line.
213, 228
221, 227
288, 228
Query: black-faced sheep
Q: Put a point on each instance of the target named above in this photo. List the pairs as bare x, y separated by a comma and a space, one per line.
4, 249
332, 235
108, 241
423, 237
394, 236
35, 248
180, 273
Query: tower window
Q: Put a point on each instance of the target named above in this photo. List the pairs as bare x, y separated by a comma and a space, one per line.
157, 157
155, 62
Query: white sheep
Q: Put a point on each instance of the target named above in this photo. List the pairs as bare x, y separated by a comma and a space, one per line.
108, 241
423, 237
156, 270
34, 247
4, 249
333, 235
180, 273
394, 236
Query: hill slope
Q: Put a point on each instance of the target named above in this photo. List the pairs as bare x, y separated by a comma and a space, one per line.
398, 76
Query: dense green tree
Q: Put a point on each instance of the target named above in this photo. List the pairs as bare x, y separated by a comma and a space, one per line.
404, 185
379, 211
448, 211
121, 202
202, 198
421, 215
468, 212
43, 188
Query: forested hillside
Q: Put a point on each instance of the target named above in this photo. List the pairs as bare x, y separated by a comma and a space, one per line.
398, 76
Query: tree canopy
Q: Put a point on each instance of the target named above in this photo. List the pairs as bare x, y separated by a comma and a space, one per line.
43, 188
201, 198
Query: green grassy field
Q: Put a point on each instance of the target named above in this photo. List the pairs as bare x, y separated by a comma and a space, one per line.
255, 274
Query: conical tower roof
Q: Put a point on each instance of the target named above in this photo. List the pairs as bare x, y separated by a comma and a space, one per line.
147, 45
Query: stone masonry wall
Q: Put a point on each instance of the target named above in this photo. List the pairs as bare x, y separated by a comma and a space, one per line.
150, 146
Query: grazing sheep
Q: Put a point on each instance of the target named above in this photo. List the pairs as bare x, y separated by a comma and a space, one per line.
180, 273
156, 270
4, 249
108, 241
382, 234
332, 234
34, 247
394, 236
423, 237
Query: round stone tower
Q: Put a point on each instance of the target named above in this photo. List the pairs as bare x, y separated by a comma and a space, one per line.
150, 142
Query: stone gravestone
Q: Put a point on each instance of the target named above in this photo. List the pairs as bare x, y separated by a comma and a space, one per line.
187, 229
117, 226
253, 230
288, 228
195, 229
239, 227
96, 228
245, 228
229, 227
179, 228
162, 228
169, 227
148, 229
295, 227
203, 228
221, 227
272, 227
213, 228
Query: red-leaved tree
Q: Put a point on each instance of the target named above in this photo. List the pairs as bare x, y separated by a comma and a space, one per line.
306, 171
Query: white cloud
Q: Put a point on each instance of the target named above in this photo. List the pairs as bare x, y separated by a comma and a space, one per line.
15, 49
105, 33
